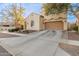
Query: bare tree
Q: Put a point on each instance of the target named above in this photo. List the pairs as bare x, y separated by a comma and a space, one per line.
15, 12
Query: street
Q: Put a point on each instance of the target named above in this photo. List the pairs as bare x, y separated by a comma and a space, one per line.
45, 44
4, 35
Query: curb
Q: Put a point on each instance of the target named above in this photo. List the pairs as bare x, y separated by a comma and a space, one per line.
13, 33
70, 42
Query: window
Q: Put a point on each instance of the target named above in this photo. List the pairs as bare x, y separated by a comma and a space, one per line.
32, 23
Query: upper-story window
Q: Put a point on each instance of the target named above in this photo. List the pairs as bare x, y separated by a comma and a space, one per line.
32, 23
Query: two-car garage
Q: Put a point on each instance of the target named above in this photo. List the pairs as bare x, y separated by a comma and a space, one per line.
54, 25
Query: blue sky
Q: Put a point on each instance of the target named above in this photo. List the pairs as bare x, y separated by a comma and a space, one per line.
35, 7
32, 8
71, 18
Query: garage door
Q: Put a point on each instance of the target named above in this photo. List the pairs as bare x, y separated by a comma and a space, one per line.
56, 25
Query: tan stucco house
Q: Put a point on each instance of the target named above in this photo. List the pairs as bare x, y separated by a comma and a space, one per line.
38, 22
35, 22
55, 21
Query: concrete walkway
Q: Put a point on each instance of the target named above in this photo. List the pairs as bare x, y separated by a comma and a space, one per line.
70, 42
45, 44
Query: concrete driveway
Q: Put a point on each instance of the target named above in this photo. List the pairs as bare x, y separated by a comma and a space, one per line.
45, 44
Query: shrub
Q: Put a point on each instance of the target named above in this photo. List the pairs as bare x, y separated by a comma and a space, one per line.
75, 28
13, 30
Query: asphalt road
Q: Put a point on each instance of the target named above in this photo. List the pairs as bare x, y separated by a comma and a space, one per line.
44, 45
3, 52
5, 35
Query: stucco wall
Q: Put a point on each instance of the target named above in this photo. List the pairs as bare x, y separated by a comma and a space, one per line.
65, 25
36, 20
62, 16
42, 26
56, 16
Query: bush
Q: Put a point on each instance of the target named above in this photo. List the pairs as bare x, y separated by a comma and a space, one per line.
13, 30
75, 28
10, 30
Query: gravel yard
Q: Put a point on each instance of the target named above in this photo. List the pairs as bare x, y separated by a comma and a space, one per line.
71, 36
71, 49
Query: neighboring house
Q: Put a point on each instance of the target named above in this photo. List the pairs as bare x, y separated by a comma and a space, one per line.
4, 26
77, 22
55, 21
35, 22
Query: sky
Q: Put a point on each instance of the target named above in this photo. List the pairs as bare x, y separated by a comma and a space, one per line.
34, 7
71, 18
